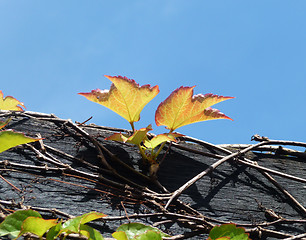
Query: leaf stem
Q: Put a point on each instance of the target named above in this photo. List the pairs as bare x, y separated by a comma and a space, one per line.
143, 154
161, 146
132, 125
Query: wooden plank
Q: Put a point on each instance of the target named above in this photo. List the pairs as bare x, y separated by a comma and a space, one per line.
231, 193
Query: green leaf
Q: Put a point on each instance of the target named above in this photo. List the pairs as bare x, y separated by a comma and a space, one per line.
228, 230
73, 224
9, 139
90, 233
37, 226
137, 137
11, 225
88, 217
54, 231
141, 136
120, 235
134, 229
119, 137
149, 235
161, 138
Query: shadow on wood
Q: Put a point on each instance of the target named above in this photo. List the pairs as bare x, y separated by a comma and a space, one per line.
74, 170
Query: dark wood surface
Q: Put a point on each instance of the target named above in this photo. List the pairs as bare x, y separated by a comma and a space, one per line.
231, 193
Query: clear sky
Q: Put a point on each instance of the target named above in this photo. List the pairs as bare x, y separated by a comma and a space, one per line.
252, 50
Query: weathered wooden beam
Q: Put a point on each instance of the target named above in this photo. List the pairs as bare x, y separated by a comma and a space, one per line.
77, 171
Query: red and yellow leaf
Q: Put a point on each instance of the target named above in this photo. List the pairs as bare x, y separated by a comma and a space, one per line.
10, 103
125, 97
161, 138
182, 108
9, 139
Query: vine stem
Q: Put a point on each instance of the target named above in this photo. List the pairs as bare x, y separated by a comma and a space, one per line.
12, 185
208, 170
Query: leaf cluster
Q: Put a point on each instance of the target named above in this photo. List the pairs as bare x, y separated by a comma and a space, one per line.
23, 222
127, 98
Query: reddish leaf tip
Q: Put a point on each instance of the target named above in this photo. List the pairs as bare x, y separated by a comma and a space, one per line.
92, 91
130, 80
202, 97
215, 113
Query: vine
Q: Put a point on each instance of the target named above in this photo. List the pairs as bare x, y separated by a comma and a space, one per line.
25, 222
163, 201
181, 108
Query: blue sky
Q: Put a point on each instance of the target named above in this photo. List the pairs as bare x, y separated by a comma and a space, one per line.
252, 50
